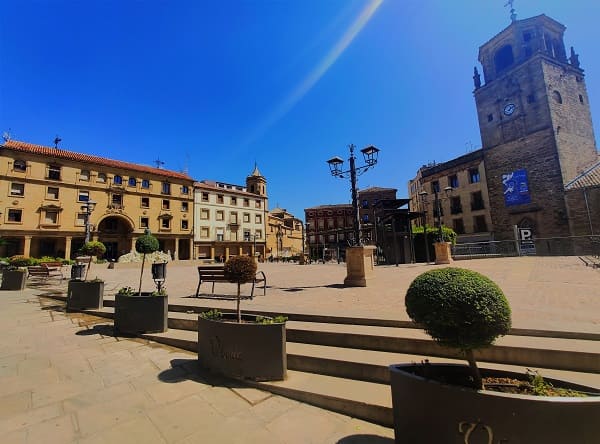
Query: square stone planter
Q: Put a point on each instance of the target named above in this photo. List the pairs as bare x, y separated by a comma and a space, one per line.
247, 350
141, 314
82, 295
13, 280
427, 411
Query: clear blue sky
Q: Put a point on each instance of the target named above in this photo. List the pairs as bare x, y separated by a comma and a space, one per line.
213, 86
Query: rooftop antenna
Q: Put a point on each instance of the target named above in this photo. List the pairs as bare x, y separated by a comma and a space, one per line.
6, 135
159, 163
57, 140
513, 14
469, 146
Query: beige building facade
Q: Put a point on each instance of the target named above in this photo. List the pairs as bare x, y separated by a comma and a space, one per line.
285, 234
230, 219
461, 187
44, 195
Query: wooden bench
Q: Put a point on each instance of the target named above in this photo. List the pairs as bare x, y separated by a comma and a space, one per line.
216, 273
45, 271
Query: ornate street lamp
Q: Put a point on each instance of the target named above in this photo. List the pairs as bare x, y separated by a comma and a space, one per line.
423, 197
335, 166
87, 209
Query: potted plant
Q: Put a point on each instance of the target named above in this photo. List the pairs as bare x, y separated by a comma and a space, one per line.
81, 293
142, 312
451, 403
241, 345
15, 276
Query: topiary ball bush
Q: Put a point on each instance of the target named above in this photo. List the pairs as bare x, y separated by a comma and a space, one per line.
458, 308
240, 269
93, 248
146, 244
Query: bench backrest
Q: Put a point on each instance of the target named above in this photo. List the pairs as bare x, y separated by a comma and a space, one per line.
211, 272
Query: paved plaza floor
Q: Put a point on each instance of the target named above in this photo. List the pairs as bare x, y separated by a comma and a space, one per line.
63, 381
556, 293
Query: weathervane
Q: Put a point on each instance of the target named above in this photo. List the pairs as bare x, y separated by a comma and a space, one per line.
57, 140
513, 14
159, 163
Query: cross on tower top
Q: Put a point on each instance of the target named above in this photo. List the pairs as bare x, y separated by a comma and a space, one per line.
513, 14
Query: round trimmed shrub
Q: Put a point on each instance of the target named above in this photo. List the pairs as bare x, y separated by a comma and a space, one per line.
146, 243
240, 269
458, 308
93, 248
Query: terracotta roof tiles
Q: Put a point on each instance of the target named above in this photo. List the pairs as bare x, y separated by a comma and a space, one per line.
41, 150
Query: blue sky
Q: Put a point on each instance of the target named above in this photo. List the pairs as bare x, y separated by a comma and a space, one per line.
214, 86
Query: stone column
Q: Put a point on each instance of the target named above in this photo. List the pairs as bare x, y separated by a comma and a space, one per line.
176, 249
133, 239
212, 253
192, 251
240, 250
226, 253
27, 246
360, 266
68, 240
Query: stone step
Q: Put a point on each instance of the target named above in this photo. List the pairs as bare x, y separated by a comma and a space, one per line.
544, 352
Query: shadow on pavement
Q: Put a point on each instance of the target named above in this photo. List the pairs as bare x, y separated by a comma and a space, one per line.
98, 329
189, 369
365, 439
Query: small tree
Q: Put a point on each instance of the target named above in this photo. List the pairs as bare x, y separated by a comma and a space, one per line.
459, 308
145, 244
92, 248
240, 270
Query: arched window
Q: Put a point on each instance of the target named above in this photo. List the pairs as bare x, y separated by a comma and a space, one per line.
556, 96
117, 180
504, 58
101, 178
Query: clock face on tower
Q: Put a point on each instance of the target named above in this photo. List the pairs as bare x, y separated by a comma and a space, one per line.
509, 109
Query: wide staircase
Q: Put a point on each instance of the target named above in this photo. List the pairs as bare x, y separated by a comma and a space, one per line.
341, 363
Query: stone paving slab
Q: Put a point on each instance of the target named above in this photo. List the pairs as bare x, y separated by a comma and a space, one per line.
63, 381
553, 293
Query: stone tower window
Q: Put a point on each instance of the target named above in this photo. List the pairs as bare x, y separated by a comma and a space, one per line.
557, 97
504, 58
526, 36
580, 98
490, 117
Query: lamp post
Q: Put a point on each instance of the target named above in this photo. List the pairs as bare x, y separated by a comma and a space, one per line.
423, 195
359, 258
335, 167
87, 209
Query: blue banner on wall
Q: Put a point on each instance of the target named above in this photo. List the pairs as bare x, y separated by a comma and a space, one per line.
516, 188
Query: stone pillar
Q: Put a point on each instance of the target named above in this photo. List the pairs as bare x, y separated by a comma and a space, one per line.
240, 250
176, 250
442, 253
133, 239
27, 246
360, 266
212, 253
193, 253
226, 253
68, 247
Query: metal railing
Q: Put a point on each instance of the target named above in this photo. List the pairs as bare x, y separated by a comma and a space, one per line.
551, 246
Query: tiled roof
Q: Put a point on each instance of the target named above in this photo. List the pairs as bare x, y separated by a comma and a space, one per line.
41, 150
213, 186
589, 178
324, 207
375, 190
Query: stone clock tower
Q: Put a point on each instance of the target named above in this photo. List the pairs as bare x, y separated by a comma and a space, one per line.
535, 124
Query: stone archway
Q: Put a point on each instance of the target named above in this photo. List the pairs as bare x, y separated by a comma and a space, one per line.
114, 231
